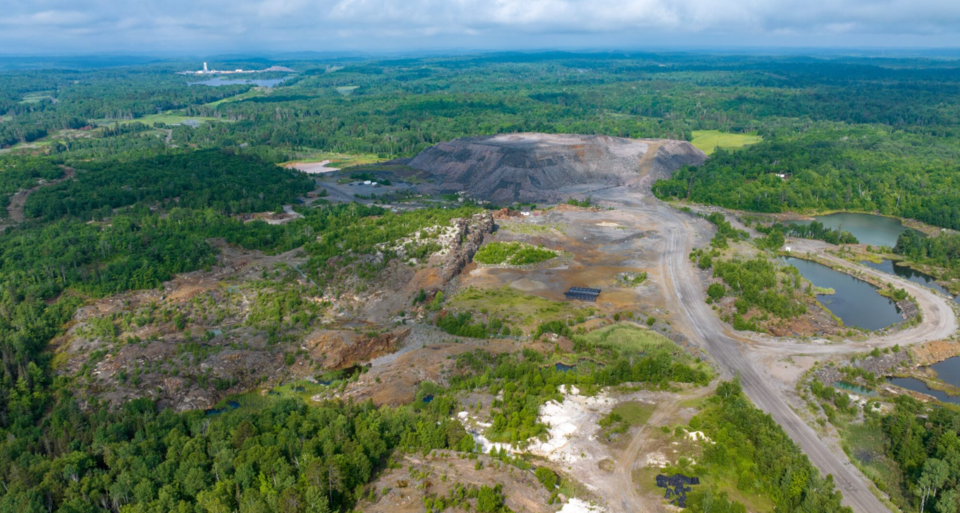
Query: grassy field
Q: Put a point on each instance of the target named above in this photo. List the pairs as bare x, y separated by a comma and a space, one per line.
865, 447
253, 93
709, 140
165, 118
632, 338
512, 253
522, 309
346, 90
339, 160
40, 144
37, 97
635, 414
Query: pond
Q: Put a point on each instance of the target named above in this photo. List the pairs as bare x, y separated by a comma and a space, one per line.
867, 228
562, 367
855, 302
220, 81
948, 371
855, 389
919, 386
890, 267
232, 405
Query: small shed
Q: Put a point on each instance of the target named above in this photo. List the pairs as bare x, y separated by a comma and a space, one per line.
582, 293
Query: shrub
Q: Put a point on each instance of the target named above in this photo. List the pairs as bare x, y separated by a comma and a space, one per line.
547, 477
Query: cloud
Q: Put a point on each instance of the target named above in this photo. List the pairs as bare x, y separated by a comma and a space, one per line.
205, 25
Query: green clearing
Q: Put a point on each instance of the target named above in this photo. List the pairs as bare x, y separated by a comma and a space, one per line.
865, 444
163, 118
338, 160
512, 253
255, 400
511, 305
346, 90
632, 338
253, 93
635, 414
709, 140
37, 97
525, 228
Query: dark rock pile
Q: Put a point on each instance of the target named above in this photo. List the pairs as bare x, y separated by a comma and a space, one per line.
677, 487
547, 167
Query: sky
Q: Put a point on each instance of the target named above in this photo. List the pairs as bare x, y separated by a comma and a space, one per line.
193, 27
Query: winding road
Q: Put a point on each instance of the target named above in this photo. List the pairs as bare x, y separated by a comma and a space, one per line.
730, 349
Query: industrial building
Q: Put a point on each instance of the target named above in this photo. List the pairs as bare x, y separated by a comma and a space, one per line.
582, 293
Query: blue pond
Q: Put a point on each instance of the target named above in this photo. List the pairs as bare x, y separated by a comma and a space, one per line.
855, 302
562, 367
919, 386
855, 389
890, 267
867, 228
232, 405
427, 399
948, 370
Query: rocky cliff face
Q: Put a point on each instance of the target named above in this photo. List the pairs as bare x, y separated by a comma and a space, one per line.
470, 234
544, 167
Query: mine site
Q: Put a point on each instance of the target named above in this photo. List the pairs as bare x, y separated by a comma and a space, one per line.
585, 219
477, 282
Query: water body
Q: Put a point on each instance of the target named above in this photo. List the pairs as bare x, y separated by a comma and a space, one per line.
855, 389
428, 399
948, 370
855, 302
562, 367
889, 267
919, 386
220, 81
867, 228
232, 405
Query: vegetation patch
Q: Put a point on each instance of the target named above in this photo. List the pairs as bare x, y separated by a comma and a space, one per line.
757, 284
516, 307
512, 253
624, 416
165, 119
746, 452
630, 338
708, 141
631, 279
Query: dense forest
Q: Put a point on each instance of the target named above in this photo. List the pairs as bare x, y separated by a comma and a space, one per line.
908, 173
204, 179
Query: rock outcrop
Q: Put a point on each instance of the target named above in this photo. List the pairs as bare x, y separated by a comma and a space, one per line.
545, 167
470, 236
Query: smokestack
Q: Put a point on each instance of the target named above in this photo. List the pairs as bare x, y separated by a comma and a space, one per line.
204, 67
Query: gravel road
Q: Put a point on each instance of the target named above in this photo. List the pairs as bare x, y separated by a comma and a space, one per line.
730, 349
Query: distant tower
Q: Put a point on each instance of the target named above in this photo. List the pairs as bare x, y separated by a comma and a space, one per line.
205, 68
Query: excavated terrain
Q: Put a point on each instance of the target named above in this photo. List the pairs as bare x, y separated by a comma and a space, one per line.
547, 167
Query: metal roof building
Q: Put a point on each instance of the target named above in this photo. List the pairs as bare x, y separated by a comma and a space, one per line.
582, 293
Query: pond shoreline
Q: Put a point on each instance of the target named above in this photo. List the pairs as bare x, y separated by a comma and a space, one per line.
908, 309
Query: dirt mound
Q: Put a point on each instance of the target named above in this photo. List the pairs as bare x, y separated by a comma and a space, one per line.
544, 167
934, 352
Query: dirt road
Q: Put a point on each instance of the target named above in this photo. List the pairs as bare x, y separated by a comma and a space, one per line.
630, 500
19, 200
685, 299
713, 335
